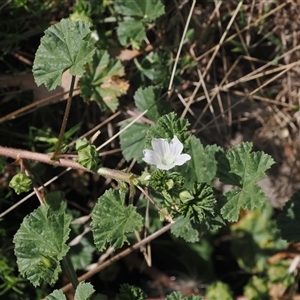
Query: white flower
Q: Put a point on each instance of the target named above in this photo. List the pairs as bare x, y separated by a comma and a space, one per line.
165, 155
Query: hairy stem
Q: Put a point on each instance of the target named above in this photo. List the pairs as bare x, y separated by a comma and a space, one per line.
65, 120
41, 157
116, 174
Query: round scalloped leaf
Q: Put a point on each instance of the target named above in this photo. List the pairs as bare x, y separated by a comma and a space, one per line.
243, 168
66, 45
112, 220
288, 220
40, 245
84, 291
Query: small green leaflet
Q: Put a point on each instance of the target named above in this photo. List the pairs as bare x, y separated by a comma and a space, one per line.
66, 45
40, 245
242, 168
257, 288
202, 208
112, 220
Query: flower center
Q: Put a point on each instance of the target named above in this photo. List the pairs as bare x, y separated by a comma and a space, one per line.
168, 160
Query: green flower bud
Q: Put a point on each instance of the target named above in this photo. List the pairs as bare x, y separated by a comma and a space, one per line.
169, 184
144, 178
20, 183
185, 196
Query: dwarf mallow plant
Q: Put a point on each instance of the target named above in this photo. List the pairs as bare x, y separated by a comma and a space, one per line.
165, 155
186, 197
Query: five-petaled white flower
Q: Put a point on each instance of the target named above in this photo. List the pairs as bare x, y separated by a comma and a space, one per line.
165, 155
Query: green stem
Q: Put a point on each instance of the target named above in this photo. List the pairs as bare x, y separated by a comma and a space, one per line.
65, 120
69, 268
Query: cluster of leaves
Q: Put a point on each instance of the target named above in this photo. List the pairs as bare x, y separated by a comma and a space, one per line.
136, 15
70, 45
194, 204
186, 194
193, 196
102, 81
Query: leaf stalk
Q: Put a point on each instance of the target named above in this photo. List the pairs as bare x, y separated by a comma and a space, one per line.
65, 120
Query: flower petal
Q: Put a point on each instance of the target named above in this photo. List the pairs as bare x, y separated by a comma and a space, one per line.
165, 155
160, 147
176, 146
150, 157
182, 159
